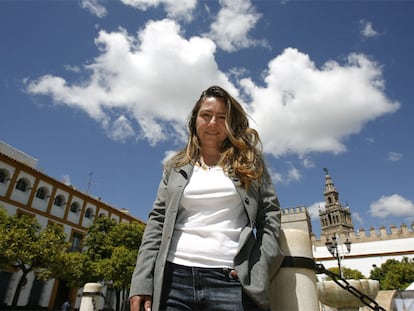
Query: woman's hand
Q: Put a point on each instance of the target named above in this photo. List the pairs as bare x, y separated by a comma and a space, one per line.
136, 302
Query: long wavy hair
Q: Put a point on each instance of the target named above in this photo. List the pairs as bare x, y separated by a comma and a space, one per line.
241, 152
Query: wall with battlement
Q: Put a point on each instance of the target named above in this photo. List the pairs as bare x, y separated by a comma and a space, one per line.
371, 235
296, 218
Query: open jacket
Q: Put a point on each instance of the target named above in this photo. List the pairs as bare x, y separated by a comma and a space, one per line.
257, 260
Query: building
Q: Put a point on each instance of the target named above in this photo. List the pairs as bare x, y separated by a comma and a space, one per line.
340, 245
367, 249
24, 189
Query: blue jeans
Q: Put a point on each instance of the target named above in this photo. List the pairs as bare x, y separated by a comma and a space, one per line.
193, 289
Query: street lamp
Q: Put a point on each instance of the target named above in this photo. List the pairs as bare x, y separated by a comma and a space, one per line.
333, 248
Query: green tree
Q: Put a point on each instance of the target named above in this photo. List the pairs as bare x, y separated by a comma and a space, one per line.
394, 274
96, 239
75, 268
3, 214
3, 218
27, 247
347, 273
126, 239
110, 252
111, 249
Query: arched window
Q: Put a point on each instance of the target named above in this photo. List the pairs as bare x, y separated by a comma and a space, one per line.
22, 185
76, 242
41, 193
74, 207
59, 201
3, 176
89, 213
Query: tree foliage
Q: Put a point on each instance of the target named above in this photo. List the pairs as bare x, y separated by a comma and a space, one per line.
394, 274
75, 269
109, 255
3, 219
27, 247
112, 249
347, 273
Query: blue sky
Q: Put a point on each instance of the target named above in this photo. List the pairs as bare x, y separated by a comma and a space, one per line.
99, 92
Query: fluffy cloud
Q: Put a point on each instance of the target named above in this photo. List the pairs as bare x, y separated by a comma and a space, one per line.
357, 218
367, 30
144, 86
121, 129
304, 109
233, 23
394, 156
95, 7
292, 175
393, 205
180, 9
314, 209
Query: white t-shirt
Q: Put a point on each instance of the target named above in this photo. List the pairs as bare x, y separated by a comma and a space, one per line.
209, 222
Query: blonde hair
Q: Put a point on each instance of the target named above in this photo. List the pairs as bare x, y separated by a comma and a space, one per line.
241, 154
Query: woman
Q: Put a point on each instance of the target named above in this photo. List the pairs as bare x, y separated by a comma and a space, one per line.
211, 240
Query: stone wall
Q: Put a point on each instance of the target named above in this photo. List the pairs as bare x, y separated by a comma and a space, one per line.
372, 235
296, 218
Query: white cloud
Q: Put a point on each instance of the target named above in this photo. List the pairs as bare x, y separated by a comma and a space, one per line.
369, 140
292, 175
234, 21
95, 7
367, 30
70, 68
168, 155
393, 205
176, 9
145, 86
314, 209
276, 176
151, 80
180, 9
394, 156
357, 218
121, 129
307, 162
303, 109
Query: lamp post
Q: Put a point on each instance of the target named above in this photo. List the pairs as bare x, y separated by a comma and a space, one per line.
333, 247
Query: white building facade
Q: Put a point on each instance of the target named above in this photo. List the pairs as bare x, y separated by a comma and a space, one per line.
368, 250
340, 245
24, 189
366, 254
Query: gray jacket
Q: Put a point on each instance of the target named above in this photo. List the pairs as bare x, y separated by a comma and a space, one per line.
257, 260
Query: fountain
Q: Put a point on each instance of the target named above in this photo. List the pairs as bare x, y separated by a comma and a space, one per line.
333, 295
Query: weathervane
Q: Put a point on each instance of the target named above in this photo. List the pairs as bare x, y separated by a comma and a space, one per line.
326, 170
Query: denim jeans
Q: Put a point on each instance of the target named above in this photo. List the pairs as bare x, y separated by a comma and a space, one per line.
210, 289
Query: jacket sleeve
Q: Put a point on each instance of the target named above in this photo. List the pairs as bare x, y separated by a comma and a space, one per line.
264, 254
268, 224
142, 282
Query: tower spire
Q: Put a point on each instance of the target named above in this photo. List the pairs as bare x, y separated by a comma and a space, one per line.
335, 219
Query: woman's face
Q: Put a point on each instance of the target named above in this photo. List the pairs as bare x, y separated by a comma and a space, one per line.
211, 123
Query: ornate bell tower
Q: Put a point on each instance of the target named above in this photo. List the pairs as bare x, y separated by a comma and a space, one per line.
335, 219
